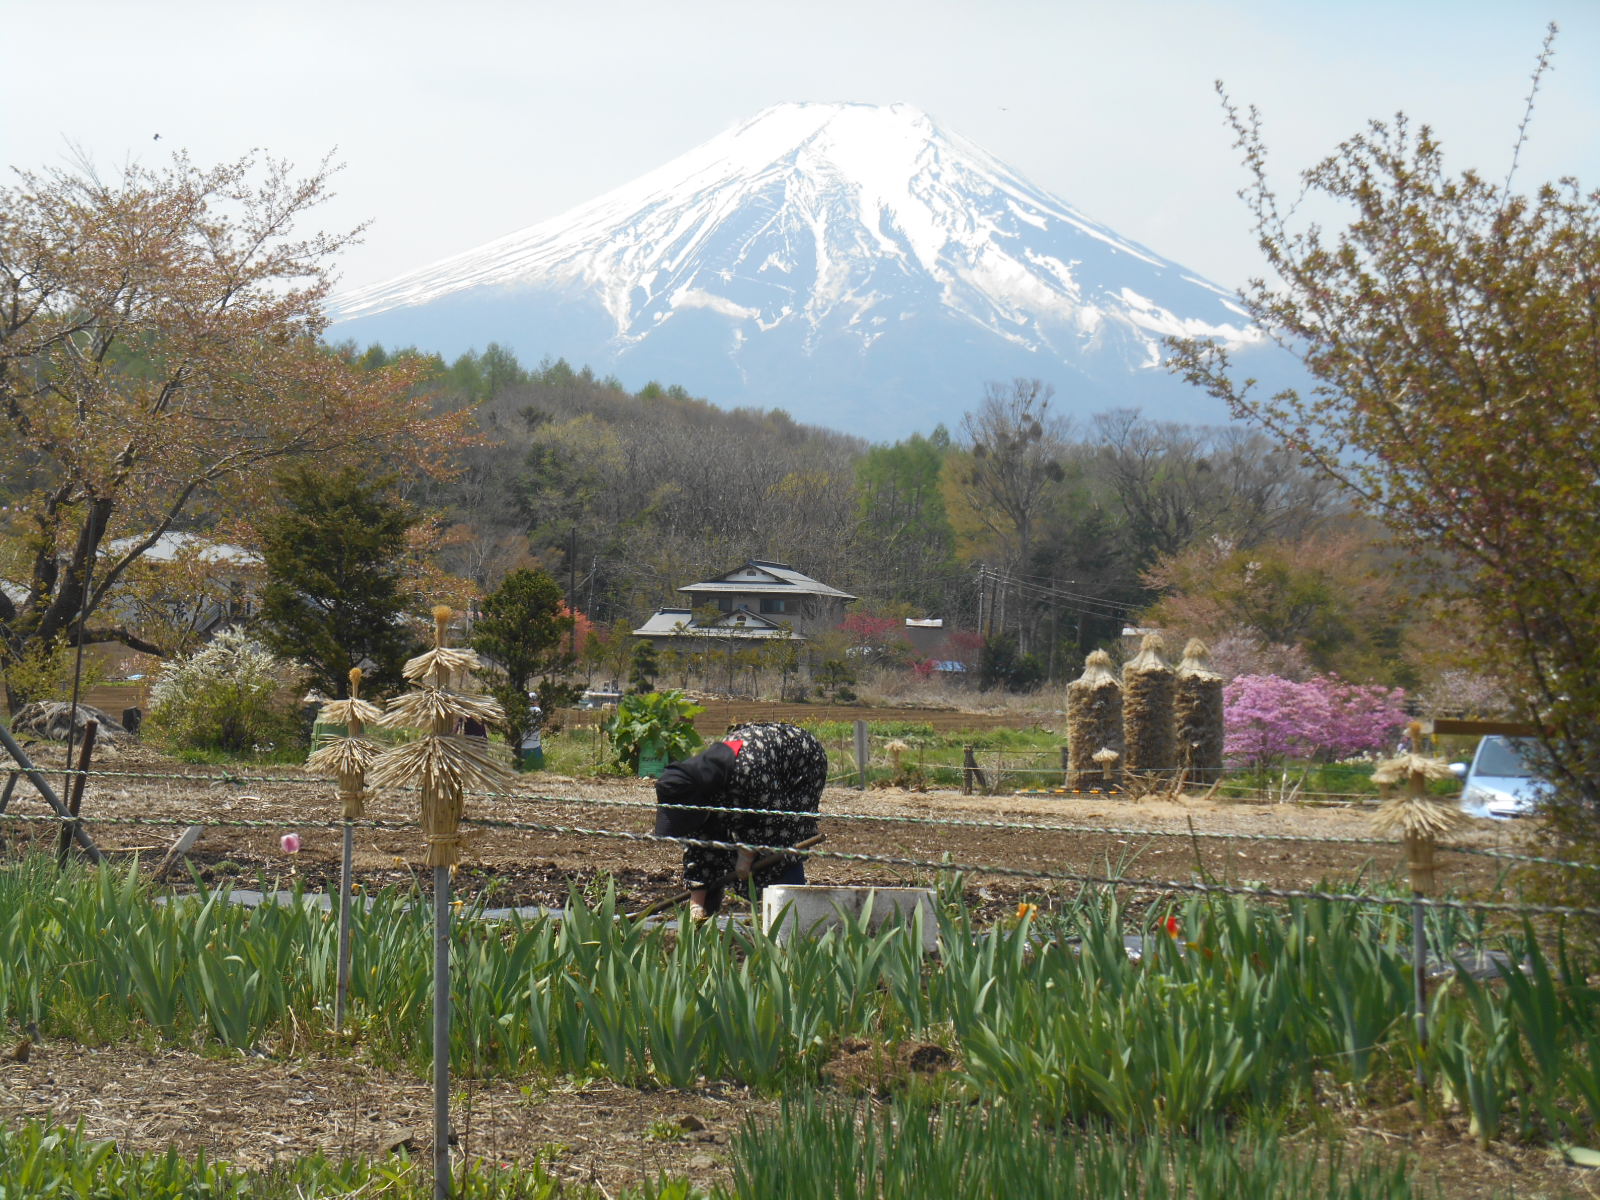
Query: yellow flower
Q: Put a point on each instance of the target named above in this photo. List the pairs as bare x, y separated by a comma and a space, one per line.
1025, 910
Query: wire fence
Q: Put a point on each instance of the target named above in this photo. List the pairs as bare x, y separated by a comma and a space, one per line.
224, 778
942, 865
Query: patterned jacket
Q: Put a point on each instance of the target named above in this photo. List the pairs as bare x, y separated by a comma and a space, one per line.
781, 771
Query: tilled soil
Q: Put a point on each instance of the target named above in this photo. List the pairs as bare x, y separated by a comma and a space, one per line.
253, 1110
590, 829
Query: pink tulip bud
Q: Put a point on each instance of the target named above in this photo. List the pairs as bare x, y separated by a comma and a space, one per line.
290, 843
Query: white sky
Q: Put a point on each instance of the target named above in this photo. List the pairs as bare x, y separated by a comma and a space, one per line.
459, 122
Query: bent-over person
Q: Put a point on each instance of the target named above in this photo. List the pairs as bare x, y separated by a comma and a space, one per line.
775, 769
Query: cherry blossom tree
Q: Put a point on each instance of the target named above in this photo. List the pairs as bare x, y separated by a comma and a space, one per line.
1269, 718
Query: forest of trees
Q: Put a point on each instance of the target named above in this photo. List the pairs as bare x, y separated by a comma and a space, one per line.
1042, 532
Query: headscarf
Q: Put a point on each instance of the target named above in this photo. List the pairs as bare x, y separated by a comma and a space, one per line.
697, 780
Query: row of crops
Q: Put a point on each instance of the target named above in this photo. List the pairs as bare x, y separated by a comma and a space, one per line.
904, 1151
1237, 1015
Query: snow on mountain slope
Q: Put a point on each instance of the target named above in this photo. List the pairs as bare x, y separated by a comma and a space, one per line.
854, 264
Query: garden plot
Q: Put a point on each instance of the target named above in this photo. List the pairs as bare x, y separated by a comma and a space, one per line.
614, 1106
1147, 838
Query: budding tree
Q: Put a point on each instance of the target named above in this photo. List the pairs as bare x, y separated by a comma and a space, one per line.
1450, 329
159, 355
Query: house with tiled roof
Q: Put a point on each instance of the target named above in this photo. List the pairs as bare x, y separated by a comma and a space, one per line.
757, 601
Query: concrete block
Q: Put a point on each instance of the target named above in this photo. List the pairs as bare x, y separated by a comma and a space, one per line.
811, 910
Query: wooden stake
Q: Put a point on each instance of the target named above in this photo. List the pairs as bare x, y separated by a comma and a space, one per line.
45, 790
182, 846
75, 796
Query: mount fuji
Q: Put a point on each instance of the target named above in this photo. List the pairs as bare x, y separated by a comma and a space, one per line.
856, 265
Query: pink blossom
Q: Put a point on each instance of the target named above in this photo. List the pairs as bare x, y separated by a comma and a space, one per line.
1269, 717
289, 843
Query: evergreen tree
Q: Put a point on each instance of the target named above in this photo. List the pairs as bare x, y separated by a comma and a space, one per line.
643, 669
334, 597
522, 631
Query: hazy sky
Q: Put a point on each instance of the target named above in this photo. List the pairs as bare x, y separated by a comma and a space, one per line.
459, 122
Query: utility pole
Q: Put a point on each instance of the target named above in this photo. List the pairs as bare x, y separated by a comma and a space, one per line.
572, 590
1055, 635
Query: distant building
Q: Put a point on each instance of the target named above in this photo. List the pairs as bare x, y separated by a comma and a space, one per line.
758, 601
198, 586
932, 642
773, 590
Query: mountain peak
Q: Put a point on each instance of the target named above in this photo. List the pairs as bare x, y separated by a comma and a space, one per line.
819, 244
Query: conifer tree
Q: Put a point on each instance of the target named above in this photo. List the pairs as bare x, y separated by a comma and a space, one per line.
335, 597
521, 631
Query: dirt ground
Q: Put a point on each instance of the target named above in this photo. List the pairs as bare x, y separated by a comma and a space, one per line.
1154, 839
253, 1110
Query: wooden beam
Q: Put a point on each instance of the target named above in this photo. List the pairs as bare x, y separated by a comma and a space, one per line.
1441, 726
50, 797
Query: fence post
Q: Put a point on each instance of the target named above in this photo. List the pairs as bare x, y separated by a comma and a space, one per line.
75, 793
971, 774
1419, 848
1066, 767
862, 752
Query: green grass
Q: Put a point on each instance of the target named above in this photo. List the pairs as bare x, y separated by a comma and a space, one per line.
908, 1151
1027, 757
577, 750
1313, 778
819, 1148
39, 1162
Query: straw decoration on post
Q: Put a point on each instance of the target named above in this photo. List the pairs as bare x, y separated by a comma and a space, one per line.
441, 764
347, 759
1418, 817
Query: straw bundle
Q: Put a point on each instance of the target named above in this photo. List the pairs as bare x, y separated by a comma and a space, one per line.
1197, 714
1417, 816
1148, 688
347, 758
1094, 719
441, 764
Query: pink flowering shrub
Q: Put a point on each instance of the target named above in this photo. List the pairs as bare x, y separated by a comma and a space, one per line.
1268, 717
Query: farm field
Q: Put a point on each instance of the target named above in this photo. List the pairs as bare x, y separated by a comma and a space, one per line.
591, 1130
1148, 838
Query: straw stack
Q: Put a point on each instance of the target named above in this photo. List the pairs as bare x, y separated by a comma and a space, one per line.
1417, 816
1149, 687
1094, 721
348, 758
1197, 714
440, 763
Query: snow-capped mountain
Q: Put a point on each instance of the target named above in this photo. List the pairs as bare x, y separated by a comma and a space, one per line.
856, 265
